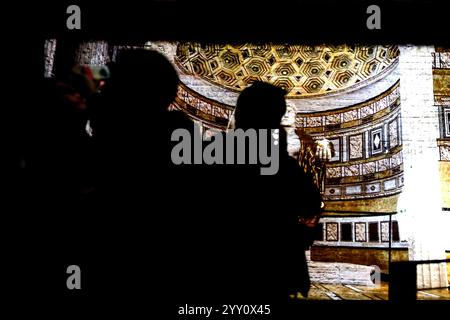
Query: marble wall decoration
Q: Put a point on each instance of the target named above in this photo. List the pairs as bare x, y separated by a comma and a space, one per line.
209, 112
444, 153
373, 187
376, 107
333, 191
314, 122
400, 181
352, 170
372, 175
300, 122
353, 189
441, 88
332, 231
441, 60
393, 133
334, 172
360, 232
355, 145
396, 159
332, 119
447, 122
385, 231
367, 111
350, 115
368, 168
444, 121
365, 138
376, 141
383, 164
390, 184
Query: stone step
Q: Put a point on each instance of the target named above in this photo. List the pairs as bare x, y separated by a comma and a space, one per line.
340, 273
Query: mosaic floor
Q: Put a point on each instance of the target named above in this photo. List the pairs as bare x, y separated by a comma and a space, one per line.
320, 291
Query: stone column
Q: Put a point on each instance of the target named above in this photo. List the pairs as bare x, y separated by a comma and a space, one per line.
421, 220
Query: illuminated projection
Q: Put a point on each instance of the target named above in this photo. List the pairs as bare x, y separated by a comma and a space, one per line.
302, 71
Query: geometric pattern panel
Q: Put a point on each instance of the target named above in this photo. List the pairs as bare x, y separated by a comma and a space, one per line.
363, 231
200, 108
332, 231
384, 231
368, 167
361, 168
377, 188
441, 88
352, 116
300, 70
367, 136
441, 60
376, 141
355, 145
360, 232
444, 121
393, 134
444, 151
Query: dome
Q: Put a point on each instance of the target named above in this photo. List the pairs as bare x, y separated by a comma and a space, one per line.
303, 71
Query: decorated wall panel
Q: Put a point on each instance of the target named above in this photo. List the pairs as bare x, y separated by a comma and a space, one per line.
441, 87
368, 231
367, 141
366, 137
209, 112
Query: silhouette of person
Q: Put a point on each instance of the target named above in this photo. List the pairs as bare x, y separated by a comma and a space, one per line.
269, 207
134, 114
133, 217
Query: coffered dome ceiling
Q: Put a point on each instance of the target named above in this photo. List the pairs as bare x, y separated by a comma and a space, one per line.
303, 71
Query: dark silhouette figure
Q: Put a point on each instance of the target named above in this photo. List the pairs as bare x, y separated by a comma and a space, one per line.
183, 234
242, 241
133, 118
134, 226
262, 233
260, 106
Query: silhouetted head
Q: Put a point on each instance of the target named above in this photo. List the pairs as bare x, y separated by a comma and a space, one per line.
260, 106
142, 85
144, 78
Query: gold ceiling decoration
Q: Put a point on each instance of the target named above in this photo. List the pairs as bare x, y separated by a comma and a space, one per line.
303, 71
